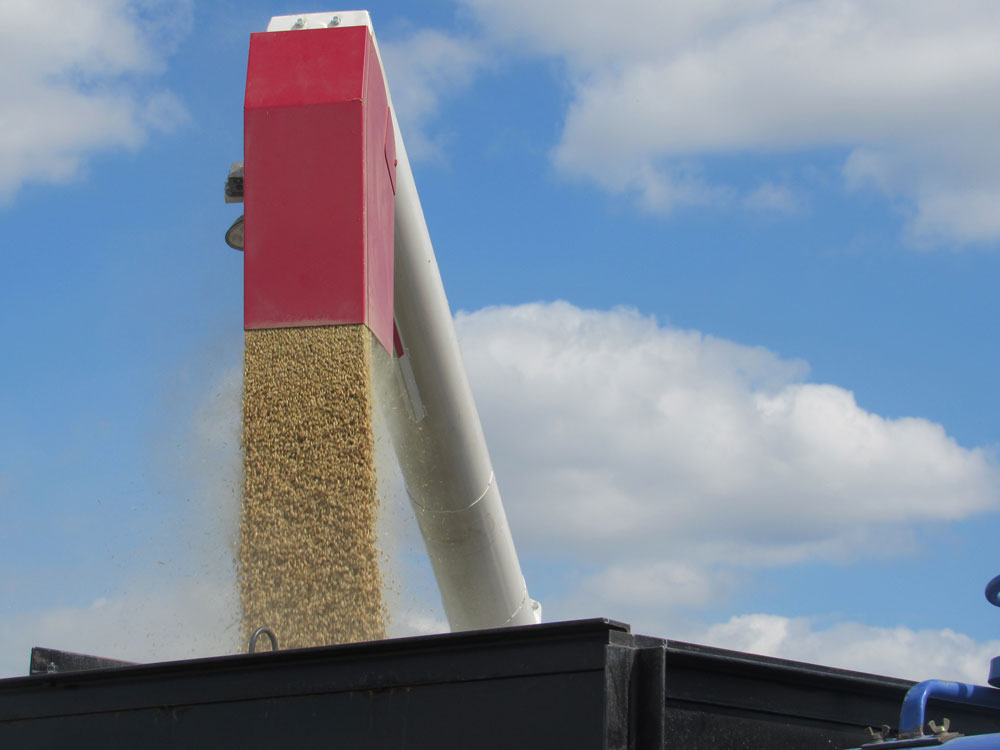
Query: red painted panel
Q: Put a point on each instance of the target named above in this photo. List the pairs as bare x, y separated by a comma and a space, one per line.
318, 197
292, 68
380, 203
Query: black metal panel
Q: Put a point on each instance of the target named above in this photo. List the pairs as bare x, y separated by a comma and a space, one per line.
536, 687
584, 684
714, 696
539, 711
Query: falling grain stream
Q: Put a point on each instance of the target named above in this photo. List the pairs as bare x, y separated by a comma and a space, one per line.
307, 556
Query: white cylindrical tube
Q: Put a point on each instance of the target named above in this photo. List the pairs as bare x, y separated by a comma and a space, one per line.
440, 443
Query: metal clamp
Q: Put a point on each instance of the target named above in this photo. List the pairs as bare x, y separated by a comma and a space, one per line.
234, 183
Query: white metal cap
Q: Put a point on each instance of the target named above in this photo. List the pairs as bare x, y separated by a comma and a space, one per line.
321, 20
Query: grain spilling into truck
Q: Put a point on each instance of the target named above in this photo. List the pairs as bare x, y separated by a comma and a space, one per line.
307, 558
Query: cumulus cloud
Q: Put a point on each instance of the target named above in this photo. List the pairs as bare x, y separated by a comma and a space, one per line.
663, 467
154, 619
897, 652
422, 70
626, 584
74, 79
639, 443
905, 89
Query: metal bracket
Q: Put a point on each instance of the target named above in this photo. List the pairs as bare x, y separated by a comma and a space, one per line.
234, 183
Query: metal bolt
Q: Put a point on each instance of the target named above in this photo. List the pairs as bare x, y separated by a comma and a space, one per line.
879, 735
945, 724
335, 21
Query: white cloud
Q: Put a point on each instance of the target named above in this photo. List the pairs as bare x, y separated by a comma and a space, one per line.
897, 652
665, 466
631, 441
770, 197
674, 581
422, 70
74, 80
908, 87
421, 624
154, 619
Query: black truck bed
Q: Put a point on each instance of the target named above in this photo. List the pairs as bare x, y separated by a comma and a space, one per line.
580, 684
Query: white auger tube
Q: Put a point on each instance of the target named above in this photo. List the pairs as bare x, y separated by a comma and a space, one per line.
433, 421
440, 443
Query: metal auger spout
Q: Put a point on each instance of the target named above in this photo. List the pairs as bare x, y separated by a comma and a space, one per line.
325, 162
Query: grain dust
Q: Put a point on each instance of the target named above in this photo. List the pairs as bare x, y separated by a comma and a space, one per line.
309, 566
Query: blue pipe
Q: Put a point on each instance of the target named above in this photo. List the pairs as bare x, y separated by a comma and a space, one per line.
911, 718
993, 592
993, 597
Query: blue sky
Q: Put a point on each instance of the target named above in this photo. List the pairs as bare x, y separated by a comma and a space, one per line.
730, 267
